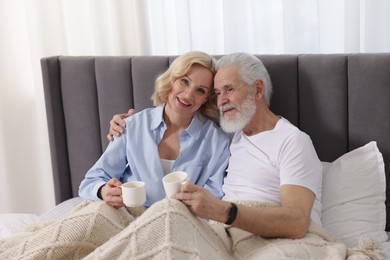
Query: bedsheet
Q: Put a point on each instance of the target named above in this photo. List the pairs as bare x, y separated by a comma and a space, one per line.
13, 223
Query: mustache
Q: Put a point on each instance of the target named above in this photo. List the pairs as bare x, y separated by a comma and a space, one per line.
227, 107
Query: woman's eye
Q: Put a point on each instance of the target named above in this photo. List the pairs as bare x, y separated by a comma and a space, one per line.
201, 90
185, 81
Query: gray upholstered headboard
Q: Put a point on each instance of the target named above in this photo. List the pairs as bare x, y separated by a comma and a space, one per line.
341, 100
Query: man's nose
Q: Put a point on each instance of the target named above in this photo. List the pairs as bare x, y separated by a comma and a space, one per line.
221, 99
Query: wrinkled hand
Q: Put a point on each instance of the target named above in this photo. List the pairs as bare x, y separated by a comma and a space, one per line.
202, 203
118, 124
112, 193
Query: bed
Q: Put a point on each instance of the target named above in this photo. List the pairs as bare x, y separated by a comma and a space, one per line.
341, 100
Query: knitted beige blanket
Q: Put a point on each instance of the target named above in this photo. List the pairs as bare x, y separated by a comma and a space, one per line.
167, 230
73, 237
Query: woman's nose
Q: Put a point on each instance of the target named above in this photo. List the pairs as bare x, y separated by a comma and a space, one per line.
189, 92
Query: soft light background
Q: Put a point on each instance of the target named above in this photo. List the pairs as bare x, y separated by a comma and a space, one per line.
33, 29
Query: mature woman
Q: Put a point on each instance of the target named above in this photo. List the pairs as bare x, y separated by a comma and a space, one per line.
178, 134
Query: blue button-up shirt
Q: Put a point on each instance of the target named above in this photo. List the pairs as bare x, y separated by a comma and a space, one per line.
204, 155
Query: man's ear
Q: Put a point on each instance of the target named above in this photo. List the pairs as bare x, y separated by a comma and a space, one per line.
259, 88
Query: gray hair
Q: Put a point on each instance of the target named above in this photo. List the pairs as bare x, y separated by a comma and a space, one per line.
250, 69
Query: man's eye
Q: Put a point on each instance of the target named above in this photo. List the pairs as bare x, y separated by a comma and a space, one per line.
229, 89
217, 93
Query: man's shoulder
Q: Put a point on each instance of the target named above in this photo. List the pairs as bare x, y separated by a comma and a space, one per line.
293, 135
287, 126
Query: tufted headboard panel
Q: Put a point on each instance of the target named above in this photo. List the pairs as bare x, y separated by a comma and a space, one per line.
341, 100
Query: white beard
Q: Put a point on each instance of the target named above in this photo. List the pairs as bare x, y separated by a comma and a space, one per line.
244, 114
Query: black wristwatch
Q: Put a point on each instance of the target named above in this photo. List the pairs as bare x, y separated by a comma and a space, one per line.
232, 214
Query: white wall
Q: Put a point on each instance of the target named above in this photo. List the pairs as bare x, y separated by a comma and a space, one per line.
25, 168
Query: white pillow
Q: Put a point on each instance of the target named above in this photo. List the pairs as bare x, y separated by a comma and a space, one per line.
354, 194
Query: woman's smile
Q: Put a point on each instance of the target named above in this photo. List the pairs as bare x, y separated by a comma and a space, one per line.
183, 102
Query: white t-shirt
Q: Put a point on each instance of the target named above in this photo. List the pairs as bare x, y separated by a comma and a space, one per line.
260, 164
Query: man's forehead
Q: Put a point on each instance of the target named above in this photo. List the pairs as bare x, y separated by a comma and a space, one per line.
226, 76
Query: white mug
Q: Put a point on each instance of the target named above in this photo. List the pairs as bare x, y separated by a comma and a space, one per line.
172, 182
133, 193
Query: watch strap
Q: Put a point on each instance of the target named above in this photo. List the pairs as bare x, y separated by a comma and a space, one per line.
232, 214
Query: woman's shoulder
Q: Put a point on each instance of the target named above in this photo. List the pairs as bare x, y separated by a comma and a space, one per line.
216, 130
145, 114
141, 121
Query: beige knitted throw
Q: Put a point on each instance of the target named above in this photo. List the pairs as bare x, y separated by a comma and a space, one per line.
73, 237
168, 230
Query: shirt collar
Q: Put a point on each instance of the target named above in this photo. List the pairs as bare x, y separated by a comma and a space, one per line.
193, 130
157, 117
196, 125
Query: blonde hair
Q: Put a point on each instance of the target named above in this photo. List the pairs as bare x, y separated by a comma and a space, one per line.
180, 67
